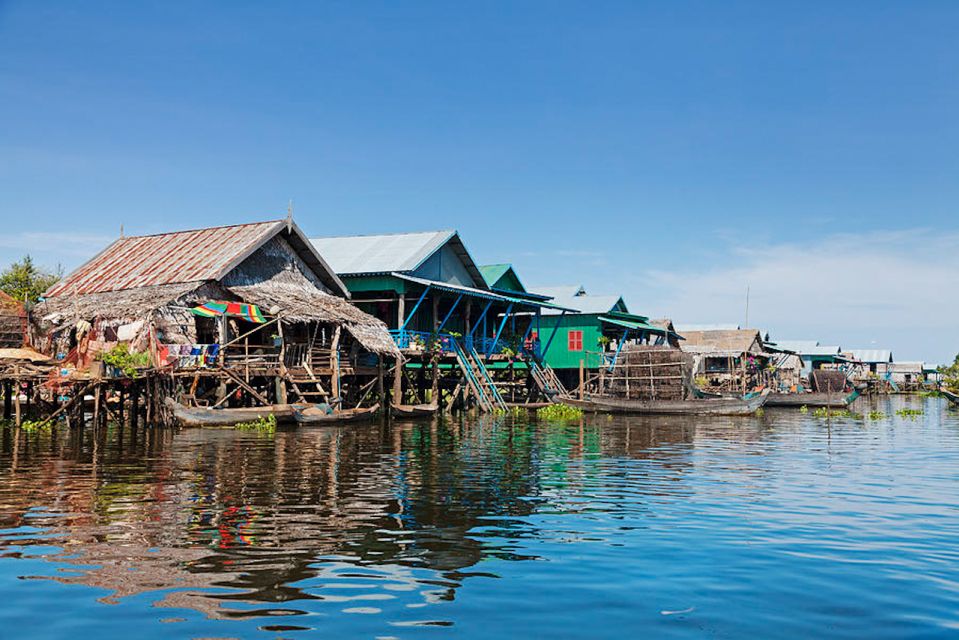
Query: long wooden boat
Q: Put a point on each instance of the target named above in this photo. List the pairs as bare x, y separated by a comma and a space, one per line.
313, 415
744, 406
284, 414
815, 399
952, 397
207, 417
413, 410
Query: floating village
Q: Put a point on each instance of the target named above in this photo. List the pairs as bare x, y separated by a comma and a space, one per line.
262, 321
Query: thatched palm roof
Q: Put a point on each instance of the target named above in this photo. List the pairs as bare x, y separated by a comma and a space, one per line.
728, 342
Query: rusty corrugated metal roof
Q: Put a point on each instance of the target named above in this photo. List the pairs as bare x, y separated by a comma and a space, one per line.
167, 258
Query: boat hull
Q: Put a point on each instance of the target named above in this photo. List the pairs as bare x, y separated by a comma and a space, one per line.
952, 397
413, 410
312, 416
819, 399
284, 414
697, 407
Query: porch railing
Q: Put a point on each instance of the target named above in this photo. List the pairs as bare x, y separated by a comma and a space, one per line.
446, 343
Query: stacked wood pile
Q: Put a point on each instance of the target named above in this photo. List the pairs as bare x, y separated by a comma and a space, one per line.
650, 372
827, 381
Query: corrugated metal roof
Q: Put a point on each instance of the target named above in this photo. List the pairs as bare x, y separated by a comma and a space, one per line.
808, 347
480, 293
638, 326
683, 328
573, 297
183, 256
380, 253
871, 356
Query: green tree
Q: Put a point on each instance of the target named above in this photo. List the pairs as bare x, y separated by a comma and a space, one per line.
24, 280
950, 375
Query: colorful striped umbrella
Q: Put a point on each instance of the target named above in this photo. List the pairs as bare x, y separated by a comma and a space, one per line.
214, 308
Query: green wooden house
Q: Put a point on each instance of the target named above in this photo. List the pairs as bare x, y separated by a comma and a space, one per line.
595, 334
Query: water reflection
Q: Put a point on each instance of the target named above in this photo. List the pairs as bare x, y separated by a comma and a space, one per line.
392, 521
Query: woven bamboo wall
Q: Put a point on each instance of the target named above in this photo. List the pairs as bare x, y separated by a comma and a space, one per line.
648, 372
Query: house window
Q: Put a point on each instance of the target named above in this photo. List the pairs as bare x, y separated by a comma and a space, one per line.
575, 340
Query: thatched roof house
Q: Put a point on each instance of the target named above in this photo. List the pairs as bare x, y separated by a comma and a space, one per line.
141, 289
723, 342
13, 322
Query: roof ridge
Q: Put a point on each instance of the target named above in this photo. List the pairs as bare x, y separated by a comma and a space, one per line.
195, 229
381, 235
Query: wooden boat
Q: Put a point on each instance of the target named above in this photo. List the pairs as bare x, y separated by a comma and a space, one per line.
207, 417
284, 414
413, 410
711, 406
314, 415
952, 397
815, 399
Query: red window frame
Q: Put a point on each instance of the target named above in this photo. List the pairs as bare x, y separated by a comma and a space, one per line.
574, 340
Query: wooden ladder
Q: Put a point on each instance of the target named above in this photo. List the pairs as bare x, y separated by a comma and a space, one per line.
478, 379
546, 379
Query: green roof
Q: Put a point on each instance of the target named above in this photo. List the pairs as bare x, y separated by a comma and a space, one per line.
493, 272
637, 325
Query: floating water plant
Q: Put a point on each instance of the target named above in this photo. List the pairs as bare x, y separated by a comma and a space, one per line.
876, 415
261, 424
559, 412
804, 409
823, 412
909, 413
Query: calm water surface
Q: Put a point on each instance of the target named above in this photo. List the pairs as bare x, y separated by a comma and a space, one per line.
781, 526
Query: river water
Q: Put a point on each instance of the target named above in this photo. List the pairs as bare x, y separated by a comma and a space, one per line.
786, 525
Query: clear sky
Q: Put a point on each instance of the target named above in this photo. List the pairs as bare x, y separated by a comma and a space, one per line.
674, 152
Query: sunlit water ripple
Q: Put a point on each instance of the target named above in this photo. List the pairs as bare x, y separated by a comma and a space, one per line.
780, 526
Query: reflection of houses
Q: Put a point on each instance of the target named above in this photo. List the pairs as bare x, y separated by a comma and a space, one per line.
449, 322
251, 312
727, 359
594, 336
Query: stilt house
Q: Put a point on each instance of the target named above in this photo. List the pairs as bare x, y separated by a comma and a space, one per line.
450, 324
732, 360
248, 314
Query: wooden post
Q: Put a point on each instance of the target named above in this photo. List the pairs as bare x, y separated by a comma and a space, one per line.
398, 382
380, 391
134, 405
400, 310
7, 399
582, 380
16, 397
335, 362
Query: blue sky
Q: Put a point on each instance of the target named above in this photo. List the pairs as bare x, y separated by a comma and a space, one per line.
674, 152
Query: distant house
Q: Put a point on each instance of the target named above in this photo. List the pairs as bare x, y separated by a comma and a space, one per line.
595, 334
727, 359
871, 361
13, 322
252, 300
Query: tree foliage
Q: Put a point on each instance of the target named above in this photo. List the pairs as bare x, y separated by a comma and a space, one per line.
25, 281
950, 375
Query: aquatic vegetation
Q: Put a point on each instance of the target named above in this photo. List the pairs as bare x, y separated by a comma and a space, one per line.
760, 412
35, 425
804, 409
876, 415
263, 425
909, 413
559, 412
824, 412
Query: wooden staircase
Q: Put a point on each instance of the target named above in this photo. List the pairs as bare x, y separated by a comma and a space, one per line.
546, 379
478, 379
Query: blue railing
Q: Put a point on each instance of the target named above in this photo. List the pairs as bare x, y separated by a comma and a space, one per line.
408, 339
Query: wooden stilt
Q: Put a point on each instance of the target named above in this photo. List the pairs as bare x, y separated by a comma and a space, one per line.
7, 399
